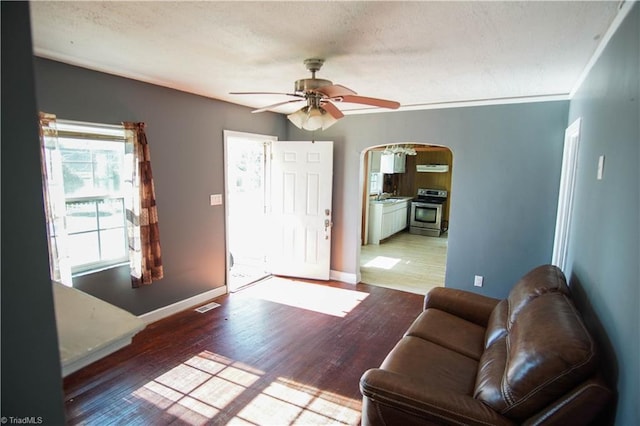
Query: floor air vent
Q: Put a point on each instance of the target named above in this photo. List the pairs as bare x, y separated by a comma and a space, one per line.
209, 306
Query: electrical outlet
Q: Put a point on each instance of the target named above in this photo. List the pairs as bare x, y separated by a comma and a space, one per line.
477, 281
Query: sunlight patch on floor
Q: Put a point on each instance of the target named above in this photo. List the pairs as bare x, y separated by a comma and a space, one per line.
287, 402
313, 297
197, 390
382, 262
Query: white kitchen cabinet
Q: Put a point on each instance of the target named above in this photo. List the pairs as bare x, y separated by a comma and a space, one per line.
393, 163
387, 218
400, 163
387, 223
376, 156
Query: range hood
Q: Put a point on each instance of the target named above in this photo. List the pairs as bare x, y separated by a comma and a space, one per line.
432, 168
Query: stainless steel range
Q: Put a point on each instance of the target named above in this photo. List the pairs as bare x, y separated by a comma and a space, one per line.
426, 212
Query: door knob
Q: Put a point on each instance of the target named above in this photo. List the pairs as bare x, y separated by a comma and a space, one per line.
327, 224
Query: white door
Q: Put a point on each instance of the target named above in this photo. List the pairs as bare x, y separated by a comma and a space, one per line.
301, 185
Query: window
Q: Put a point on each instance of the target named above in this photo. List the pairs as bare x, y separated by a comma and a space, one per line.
99, 199
376, 183
92, 159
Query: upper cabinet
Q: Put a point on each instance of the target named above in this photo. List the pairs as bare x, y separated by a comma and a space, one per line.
375, 161
393, 163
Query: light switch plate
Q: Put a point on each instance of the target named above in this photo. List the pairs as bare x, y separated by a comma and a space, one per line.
477, 281
215, 199
600, 167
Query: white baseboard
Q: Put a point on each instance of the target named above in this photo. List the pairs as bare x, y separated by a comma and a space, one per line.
174, 308
343, 277
199, 299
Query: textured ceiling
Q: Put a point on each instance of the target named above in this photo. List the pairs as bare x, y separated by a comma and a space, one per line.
421, 54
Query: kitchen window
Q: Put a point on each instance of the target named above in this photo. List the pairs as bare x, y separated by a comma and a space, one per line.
375, 182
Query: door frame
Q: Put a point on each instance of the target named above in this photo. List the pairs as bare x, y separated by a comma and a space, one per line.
230, 134
566, 194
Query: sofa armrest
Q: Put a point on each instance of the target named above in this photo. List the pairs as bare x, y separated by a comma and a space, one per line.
464, 304
428, 403
579, 407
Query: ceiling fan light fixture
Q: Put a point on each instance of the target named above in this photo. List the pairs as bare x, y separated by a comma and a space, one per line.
311, 118
298, 118
314, 119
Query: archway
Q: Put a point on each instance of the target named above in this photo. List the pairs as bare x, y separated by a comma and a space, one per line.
392, 254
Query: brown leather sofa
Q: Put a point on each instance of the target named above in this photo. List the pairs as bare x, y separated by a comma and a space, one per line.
474, 360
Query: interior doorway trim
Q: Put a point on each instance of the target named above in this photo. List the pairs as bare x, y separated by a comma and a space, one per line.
566, 193
365, 169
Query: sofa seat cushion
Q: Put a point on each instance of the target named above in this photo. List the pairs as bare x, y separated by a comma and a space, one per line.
449, 331
431, 363
391, 399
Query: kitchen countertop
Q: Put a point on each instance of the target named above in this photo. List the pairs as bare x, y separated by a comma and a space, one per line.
391, 200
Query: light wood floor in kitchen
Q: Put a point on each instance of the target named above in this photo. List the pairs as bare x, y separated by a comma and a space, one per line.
407, 262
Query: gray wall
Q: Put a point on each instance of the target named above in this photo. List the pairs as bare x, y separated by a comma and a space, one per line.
506, 171
605, 236
31, 377
185, 134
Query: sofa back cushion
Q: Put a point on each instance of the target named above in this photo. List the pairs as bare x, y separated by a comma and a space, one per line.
544, 354
541, 280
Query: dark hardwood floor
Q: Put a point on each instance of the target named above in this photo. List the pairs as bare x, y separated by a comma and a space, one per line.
277, 353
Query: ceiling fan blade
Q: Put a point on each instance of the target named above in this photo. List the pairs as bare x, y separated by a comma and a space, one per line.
335, 91
332, 110
371, 101
268, 107
266, 93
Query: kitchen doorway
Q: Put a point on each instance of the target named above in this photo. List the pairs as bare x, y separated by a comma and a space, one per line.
246, 181
403, 260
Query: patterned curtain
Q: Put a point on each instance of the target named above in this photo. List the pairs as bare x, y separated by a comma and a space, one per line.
54, 201
142, 216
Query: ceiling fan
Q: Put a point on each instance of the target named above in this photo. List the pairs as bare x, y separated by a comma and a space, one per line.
320, 96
